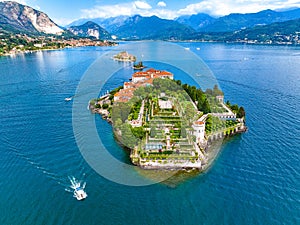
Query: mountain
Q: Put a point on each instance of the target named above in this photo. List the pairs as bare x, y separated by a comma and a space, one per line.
110, 24
90, 29
138, 28
197, 21
287, 32
236, 21
16, 17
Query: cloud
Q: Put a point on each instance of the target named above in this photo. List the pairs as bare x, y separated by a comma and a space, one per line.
215, 7
126, 9
161, 4
212, 7
23, 2
142, 5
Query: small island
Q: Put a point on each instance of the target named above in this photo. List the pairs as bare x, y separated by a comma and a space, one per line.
167, 124
124, 57
139, 66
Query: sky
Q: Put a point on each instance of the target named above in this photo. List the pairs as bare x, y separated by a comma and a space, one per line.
64, 12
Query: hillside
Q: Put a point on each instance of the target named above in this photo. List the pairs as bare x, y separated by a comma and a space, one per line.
90, 29
287, 32
234, 22
16, 17
276, 33
197, 21
138, 27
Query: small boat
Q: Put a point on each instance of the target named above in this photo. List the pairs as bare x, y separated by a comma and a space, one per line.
79, 192
198, 49
187, 48
68, 99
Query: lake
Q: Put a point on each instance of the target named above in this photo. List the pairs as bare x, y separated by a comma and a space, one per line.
254, 180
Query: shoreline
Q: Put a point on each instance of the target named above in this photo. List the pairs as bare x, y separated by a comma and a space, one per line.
207, 153
19, 52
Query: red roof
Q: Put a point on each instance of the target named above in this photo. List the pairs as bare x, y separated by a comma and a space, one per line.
199, 122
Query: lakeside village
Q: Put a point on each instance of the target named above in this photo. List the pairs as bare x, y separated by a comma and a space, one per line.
167, 124
11, 44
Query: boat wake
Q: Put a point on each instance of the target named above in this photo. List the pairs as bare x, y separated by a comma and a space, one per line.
77, 187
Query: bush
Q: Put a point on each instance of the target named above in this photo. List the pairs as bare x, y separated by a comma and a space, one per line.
105, 106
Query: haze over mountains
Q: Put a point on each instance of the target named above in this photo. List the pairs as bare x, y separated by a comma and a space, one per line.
139, 27
15, 17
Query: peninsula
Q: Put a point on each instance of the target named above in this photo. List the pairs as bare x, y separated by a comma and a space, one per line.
167, 124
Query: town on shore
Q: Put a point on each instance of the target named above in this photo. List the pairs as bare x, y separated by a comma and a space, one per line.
167, 124
11, 44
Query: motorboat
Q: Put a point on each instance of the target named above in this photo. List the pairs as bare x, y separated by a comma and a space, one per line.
79, 192
68, 99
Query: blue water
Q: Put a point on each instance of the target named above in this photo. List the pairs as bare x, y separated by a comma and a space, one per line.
255, 179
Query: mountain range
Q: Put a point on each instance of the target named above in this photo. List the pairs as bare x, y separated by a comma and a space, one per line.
187, 26
16, 17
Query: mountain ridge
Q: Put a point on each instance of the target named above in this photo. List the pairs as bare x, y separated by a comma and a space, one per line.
17, 17
153, 27
205, 23
90, 29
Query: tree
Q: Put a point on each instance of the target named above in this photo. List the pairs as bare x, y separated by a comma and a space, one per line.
127, 138
105, 106
121, 111
189, 112
235, 108
241, 112
178, 82
183, 132
118, 123
206, 107
228, 103
208, 123
209, 91
216, 91
138, 132
153, 131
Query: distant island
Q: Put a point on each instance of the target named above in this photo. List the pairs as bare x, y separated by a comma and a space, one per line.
124, 57
139, 66
167, 124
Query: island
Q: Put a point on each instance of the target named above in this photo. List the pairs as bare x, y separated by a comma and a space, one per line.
124, 57
167, 124
139, 66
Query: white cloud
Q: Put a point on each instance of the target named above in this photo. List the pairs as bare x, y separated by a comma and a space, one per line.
23, 2
142, 5
161, 4
215, 7
212, 7
126, 9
